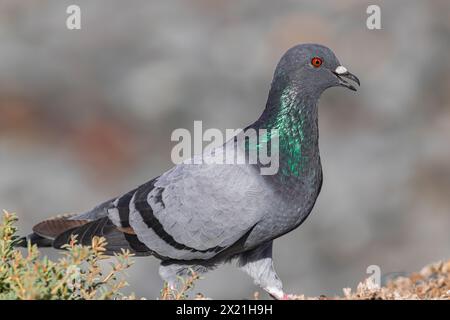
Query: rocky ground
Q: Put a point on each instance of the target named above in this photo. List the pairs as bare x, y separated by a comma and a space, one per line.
432, 282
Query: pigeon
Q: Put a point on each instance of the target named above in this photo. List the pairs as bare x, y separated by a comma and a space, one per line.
197, 216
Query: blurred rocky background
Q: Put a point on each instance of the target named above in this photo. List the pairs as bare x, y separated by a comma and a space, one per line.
87, 114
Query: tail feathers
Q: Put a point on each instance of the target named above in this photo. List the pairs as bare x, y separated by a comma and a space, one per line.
33, 238
116, 239
46, 231
52, 228
57, 232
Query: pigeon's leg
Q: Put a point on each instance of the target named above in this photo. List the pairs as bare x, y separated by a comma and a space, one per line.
258, 263
177, 274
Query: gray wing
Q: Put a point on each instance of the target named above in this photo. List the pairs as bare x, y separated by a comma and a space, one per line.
194, 211
191, 212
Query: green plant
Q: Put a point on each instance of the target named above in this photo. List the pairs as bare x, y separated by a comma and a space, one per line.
75, 276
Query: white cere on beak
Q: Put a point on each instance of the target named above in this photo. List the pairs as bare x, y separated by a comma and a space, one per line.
340, 70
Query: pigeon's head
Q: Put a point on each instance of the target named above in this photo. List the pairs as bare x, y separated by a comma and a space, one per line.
312, 68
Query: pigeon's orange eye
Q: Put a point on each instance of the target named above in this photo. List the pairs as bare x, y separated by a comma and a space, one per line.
316, 62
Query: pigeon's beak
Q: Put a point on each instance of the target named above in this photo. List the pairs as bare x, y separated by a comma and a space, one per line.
341, 72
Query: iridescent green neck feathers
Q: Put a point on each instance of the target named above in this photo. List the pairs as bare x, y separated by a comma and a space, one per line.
295, 119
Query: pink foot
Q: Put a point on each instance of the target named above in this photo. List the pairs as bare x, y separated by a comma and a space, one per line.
279, 295
288, 296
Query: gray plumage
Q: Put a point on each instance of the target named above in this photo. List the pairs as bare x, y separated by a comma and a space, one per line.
199, 215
